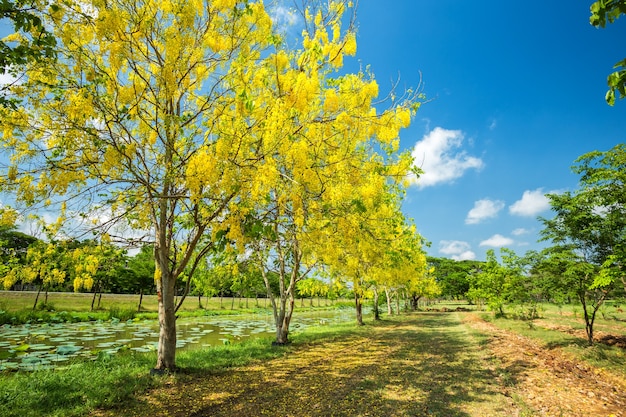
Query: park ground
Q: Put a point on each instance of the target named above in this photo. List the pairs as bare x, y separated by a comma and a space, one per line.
430, 363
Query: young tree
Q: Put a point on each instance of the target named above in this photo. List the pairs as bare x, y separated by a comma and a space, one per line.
312, 287
590, 226
96, 267
574, 277
46, 265
498, 283
603, 179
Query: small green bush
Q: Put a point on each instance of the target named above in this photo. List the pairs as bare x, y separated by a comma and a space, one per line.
121, 314
44, 306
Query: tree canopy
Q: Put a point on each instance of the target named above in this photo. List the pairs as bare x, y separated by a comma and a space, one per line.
603, 12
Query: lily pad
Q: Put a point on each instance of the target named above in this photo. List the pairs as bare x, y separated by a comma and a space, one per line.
21, 348
67, 349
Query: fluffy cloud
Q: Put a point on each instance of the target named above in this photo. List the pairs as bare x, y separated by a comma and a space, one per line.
284, 18
484, 209
457, 250
520, 231
438, 156
497, 241
531, 204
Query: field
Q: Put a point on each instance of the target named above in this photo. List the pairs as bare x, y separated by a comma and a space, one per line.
81, 302
442, 362
16, 307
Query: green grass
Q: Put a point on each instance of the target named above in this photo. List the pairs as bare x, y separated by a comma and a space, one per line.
77, 388
111, 381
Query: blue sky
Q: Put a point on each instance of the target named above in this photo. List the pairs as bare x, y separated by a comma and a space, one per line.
516, 94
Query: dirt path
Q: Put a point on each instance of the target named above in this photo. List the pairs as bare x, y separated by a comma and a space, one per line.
433, 364
549, 382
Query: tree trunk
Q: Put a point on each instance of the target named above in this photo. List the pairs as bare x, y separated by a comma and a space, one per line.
588, 321
232, 302
140, 300
284, 318
37, 297
99, 299
389, 308
93, 299
398, 302
414, 302
376, 310
166, 351
359, 309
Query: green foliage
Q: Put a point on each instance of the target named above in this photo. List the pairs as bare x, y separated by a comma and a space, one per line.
45, 306
14, 244
592, 220
603, 12
497, 283
121, 314
138, 274
453, 276
574, 277
34, 42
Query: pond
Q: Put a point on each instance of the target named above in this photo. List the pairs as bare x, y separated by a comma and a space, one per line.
37, 346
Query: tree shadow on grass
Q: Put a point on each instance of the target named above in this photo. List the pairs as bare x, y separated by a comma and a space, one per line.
567, 341
426, 365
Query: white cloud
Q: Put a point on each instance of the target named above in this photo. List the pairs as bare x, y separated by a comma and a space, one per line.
6, 79
493, 124
457, 250
284, 18
531, 204
497, 241
520, 231
484, 209
438, 156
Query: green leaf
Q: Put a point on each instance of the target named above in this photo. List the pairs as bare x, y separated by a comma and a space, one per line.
22, 348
